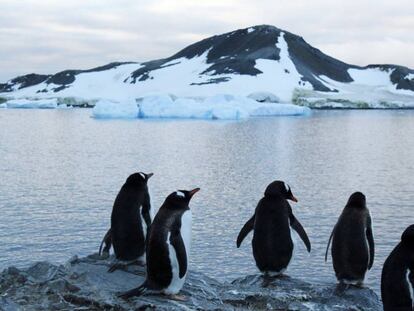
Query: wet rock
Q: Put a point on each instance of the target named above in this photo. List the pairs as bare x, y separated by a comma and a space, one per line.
85, 284
256, 291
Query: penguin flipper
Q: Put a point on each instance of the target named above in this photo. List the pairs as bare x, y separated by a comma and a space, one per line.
179, 247
371, 243
329, 243
108, 243
146, 208
248, 226
411, 277
297, 226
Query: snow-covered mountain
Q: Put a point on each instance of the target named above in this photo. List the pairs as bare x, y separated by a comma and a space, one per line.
256, 59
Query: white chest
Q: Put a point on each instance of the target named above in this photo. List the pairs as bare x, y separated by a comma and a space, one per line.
186, 223
185, 231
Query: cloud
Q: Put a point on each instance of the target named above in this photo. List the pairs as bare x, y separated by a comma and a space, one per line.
48, 36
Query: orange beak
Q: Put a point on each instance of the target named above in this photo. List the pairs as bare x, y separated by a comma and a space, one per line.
193, 192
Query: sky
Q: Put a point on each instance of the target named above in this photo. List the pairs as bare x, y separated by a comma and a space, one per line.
46, 36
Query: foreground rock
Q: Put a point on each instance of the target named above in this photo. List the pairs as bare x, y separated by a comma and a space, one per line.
84, 284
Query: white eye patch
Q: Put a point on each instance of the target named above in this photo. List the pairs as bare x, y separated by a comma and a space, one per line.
287, 187
180, 194
142, 175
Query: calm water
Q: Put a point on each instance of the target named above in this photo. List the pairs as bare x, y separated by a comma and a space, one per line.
61, 170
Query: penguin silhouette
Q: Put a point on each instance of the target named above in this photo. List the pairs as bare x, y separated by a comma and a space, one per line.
397, 279
353, 246
273, 218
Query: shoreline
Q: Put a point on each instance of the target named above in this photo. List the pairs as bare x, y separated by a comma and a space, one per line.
85, 283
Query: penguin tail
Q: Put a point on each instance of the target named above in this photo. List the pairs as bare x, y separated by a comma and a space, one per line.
139, 291
107, 239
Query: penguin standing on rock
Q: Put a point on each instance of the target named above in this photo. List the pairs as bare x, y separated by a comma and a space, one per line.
272, 222
397, 280
130, 221
168, 247
352, 242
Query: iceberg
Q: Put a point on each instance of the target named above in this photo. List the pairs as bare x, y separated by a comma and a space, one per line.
105, 109
164, 106
32, 103
280, 110
217, 107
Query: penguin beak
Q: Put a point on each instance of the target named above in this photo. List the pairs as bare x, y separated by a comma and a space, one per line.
149, 175
293, 198
193, 192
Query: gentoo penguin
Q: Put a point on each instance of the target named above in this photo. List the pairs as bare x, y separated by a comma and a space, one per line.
168, 247
130, 220
397, 280
272, 220
352, 242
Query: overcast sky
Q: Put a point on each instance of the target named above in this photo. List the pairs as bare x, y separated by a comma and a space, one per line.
46, 36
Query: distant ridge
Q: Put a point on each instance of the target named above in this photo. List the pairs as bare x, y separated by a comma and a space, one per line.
259, 58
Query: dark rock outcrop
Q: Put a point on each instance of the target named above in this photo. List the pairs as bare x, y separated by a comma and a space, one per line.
63, 79
84, 284
227, 54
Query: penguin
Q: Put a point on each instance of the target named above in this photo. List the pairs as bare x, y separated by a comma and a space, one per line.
168, 247
130, 221
397, 279
353, 246
272, 241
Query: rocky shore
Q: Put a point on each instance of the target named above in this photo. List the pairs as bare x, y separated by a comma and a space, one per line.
84, 284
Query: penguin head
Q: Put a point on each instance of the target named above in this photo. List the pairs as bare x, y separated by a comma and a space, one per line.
280, 188
357, 199
407, 237
180, 198
138, 179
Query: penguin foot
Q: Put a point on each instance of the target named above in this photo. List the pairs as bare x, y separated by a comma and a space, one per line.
358, 285
124, 265
268, 277
117, 266
176, 297
104, 255
340, 288
266, 282
132, 293
141, 290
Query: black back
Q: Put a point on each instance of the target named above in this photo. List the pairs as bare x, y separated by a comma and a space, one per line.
397, 279
272, 242
352, 256
128, 236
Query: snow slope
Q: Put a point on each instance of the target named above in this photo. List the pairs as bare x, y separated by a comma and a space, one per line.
256, 59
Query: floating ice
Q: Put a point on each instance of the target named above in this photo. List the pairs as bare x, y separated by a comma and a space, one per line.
32, 103
105, 109
266, 110
222, 106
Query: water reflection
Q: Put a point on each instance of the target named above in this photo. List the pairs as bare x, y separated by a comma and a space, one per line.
61, 170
